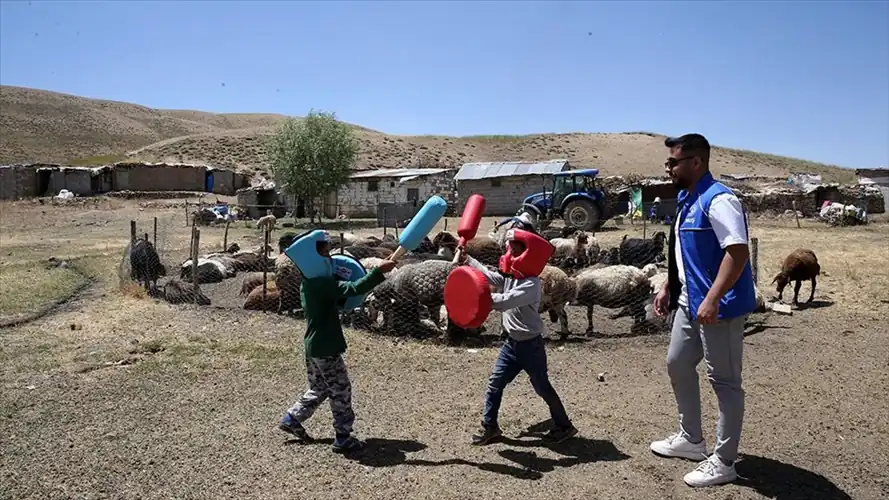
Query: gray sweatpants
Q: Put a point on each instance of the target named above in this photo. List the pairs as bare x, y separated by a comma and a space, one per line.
721, 346
328, 378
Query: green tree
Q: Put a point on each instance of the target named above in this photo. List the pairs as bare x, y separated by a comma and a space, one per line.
313, 156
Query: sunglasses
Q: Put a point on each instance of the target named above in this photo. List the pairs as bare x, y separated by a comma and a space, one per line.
672, 162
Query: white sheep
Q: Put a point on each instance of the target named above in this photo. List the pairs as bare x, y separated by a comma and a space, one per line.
267, 221
613, 287
557, 291
209, 271
580, 250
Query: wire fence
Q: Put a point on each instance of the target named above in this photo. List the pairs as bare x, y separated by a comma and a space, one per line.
595, 285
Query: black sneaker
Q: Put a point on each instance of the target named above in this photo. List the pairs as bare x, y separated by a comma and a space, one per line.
289, 425
557, 435
347, 445
486, 435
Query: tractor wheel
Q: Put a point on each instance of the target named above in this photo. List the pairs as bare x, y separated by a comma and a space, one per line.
581, 214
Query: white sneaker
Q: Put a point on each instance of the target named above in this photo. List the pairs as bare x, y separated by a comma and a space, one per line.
711, 472
677, 446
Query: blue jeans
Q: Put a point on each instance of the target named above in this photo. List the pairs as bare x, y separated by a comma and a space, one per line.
515, 356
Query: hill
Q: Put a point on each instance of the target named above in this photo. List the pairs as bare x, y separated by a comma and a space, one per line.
38, 125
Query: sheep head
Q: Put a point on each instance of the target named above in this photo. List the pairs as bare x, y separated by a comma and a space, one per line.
782, 279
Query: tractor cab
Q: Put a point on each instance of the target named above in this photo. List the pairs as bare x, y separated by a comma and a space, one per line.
576, 197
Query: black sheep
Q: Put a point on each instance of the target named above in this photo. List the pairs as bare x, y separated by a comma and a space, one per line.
145, 264
639, 253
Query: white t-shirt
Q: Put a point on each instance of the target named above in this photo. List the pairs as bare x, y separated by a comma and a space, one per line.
727, 219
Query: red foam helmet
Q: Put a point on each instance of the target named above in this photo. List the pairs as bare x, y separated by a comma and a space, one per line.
529, 263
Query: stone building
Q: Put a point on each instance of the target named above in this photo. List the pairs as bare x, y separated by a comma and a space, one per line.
366, 190
505, 184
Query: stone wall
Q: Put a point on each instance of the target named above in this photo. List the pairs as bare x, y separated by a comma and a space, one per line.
503, 195
162, 177
356, 199
17, 182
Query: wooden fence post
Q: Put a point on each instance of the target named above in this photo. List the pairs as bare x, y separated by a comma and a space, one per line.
265, 257
754, 259
194, 262
795, 216
132, 231
155, 232
225, 235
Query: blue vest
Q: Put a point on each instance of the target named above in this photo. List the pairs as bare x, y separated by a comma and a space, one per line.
702, 255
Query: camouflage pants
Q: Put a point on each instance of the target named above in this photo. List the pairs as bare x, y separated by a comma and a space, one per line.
328, 378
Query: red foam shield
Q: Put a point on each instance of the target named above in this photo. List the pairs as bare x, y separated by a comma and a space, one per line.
467, 296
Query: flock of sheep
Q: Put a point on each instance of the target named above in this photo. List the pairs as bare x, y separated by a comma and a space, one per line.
580, 273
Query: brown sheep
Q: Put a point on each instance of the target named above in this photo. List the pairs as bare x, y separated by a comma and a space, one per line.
253, 280
287, 280
257, 302
177, 291
801, 264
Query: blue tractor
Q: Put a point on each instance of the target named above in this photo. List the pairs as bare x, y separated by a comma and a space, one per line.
576, 197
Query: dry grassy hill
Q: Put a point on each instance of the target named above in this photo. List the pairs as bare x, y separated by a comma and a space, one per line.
38, 125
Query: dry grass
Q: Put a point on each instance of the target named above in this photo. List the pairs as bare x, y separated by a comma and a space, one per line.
46, 126
127, 397
29, 288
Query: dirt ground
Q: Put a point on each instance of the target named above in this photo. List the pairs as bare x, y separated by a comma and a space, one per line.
112, 396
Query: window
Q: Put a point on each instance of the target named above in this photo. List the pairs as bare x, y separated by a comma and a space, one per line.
373, 185
495, 183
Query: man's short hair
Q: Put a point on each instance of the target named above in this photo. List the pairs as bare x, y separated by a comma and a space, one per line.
695, 144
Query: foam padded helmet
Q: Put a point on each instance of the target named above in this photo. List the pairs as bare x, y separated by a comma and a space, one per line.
304, 254
346, 268
529, 263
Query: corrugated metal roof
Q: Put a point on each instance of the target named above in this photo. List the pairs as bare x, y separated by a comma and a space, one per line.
398, 172
474, 171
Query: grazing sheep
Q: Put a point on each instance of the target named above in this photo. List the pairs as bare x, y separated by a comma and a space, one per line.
287, 281
801, 264
257, 301
613, 287
577, 252
267, 221
557, 290
209, 271
145, 264
253, 280
177, 291
638, 252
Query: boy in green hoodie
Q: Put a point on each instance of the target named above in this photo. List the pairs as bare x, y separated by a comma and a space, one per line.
325, 344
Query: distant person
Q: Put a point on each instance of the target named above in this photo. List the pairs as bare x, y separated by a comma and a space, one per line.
710, 286
654, 213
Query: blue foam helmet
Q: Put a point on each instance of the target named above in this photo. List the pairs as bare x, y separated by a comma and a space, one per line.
347, 268
304, 254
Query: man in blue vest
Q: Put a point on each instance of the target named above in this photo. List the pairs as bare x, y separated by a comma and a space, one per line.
710, 287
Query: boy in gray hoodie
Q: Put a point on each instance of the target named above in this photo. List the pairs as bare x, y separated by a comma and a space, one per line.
524, 349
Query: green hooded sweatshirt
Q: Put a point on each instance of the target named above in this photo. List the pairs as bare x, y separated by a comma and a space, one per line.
320, 296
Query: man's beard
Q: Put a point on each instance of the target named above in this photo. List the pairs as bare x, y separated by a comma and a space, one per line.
679, 183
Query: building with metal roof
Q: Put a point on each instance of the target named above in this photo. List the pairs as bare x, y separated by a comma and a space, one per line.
488, 170
367, 190
505, 184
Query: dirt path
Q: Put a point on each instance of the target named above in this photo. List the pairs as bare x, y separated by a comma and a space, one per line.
196, 418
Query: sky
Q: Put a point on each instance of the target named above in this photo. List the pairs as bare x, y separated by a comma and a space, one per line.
808, 79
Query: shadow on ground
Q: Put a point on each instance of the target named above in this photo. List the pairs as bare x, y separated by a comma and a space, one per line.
773, 479
578, 450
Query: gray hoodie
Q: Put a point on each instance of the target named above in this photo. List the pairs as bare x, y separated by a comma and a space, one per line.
518, 302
